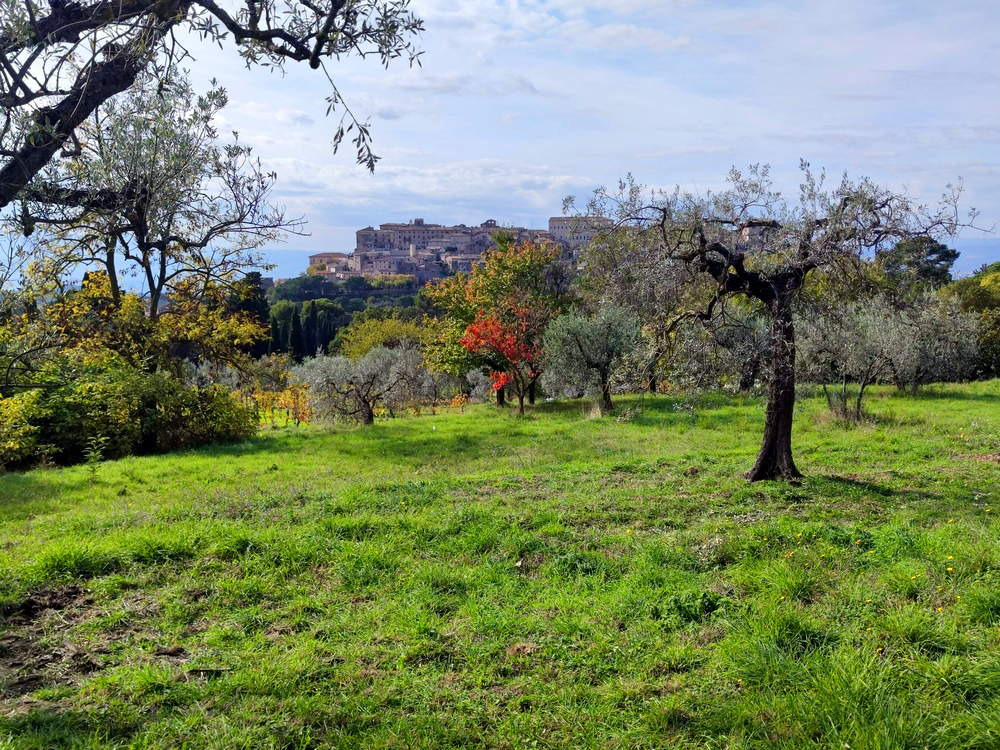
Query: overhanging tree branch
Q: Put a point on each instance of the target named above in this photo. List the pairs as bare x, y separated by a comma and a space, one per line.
54, 125
60, 60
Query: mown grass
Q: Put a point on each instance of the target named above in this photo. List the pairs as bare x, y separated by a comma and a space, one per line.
461, 580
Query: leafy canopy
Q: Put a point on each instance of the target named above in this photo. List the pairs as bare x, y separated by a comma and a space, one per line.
517, 287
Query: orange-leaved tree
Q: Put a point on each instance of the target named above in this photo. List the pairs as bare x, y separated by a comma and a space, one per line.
515, 342
495, 316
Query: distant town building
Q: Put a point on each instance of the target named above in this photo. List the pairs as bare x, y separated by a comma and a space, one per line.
330, 260
331, 266
428, 251
417, 236
577, 231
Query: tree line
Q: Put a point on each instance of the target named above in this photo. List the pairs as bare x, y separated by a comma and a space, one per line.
846, 286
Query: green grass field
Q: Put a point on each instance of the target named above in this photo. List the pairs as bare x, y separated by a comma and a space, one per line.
476, 580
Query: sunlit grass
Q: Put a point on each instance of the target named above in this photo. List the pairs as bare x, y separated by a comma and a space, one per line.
465, 579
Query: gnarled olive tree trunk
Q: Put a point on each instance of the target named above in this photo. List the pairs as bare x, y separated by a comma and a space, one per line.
775, 458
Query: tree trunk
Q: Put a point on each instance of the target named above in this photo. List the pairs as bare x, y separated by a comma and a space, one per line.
501, 397
775, 458
367, 413
606, 406
531, 393
520, 403
748, 375
109, 264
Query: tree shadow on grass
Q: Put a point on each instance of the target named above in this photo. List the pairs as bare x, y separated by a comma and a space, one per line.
260, 443
37, 491
659, 411
25, 495
854, 488
362, 444
498, 434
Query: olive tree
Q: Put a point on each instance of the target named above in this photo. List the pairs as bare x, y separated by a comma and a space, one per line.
622, 272
729, 351
749, 241
584, 352
181, 206
340, 388
934, 341
876, 339
848, 345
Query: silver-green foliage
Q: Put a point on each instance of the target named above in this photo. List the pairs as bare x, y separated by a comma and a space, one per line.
341, 388
877, 339
176, 203
584, 353
730, 351
935, 342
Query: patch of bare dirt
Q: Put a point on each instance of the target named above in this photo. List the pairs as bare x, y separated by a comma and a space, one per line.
522, 649
704, 636
25, 663
529, 564
988, 458
39, 647
57, 599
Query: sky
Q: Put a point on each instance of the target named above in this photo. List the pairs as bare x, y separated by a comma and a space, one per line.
518, 104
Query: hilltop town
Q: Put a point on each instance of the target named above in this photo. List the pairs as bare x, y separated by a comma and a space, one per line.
429, 251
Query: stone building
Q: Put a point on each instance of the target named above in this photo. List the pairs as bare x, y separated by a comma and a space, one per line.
428, 251
577, 231
398, 239
332, 261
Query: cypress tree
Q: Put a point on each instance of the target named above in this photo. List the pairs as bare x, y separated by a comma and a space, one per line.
324, 327
286, 334
276, 338
310, 329
296, 341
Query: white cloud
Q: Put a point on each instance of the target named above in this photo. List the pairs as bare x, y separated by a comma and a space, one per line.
519, 102
616, 36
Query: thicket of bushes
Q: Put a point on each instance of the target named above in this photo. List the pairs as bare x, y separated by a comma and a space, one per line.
109, 410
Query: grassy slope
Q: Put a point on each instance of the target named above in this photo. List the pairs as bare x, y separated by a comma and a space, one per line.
474, 579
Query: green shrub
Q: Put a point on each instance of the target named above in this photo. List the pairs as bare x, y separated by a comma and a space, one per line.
124, 410
989, 342
187, 417
94, 406
18, 437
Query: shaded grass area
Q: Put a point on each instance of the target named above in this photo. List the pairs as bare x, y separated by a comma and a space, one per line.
472, 579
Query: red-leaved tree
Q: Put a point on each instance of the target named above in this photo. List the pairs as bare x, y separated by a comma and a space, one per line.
494, 318
515, 341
